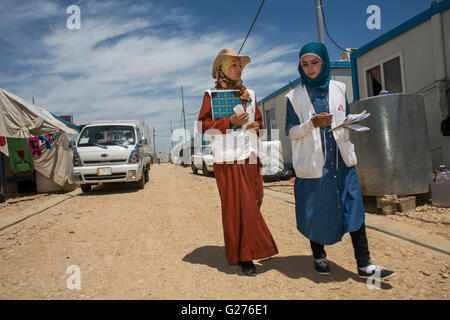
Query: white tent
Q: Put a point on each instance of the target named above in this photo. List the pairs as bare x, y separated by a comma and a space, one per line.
21, 119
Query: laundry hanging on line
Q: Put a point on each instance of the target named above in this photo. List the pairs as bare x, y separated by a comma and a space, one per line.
35, 146
34, 142
47, 139
20, 158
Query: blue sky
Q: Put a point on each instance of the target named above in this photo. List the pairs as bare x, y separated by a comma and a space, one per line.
130, 58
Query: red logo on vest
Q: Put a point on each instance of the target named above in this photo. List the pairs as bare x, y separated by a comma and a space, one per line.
341, 108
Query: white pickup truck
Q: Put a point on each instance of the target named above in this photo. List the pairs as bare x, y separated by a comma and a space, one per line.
203, 160
112, 151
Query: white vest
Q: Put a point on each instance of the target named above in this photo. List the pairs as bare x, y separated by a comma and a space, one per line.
238, 144
307, 157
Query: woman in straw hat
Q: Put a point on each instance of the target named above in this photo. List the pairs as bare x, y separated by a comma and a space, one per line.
238, 178
328, 200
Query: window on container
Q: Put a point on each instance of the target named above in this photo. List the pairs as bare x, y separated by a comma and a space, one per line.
273, 119
268, 123
392, 76
374, 85
273, 125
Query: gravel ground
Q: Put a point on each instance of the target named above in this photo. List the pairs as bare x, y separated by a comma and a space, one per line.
427, 216
15, 204
430, 218
166, 242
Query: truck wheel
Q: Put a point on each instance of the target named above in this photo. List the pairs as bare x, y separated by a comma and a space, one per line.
2, 197
205, 170
194, 169
141, 183
86, 188
146, 174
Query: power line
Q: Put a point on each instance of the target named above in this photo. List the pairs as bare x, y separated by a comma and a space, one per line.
325, 25
171, 133
254, 20
193, 118
192, 113
182, 100
165, 129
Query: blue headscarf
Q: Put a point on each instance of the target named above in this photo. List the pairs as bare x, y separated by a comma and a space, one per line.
323, 79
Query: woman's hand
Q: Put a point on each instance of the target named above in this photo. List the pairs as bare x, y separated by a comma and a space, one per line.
253, 125
322, 120
239, 119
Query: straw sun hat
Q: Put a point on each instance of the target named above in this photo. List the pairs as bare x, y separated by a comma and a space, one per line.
225, 53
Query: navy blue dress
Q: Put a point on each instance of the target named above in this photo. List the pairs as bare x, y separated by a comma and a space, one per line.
330, 206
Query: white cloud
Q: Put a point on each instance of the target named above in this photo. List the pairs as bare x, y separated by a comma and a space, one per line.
119, 68
17, 14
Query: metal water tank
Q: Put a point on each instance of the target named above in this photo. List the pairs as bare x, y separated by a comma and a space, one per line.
393, 156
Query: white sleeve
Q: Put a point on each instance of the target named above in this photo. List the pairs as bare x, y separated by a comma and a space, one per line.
301, 130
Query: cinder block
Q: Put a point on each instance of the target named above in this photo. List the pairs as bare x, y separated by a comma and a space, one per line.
407, 203
387, 200
389, 209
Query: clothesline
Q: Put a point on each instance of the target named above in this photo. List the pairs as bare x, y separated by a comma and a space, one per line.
23, 151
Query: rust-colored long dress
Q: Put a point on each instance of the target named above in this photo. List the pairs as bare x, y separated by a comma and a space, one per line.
246, 235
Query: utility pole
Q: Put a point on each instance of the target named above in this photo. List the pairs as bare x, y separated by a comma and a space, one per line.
184, 115
171, 133
154, 142
320, 23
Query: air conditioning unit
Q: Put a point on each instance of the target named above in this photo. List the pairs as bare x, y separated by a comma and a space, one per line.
345, 55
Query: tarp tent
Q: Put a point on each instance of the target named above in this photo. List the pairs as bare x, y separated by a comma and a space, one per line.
21, 119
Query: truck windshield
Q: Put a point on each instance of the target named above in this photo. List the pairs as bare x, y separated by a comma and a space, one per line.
107, 135
207, 150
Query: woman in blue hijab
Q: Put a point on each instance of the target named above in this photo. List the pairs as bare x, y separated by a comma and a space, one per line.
328, 199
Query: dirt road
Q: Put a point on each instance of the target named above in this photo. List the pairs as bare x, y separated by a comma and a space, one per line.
166, 242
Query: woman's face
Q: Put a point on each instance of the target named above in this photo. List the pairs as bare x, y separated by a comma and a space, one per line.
311, 65
235, 69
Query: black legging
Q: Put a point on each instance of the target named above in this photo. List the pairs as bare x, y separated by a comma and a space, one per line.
360, 245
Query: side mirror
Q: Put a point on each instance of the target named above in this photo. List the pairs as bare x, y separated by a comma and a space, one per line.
71, 144
144, 141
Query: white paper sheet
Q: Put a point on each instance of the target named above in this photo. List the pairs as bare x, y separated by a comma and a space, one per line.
351, 122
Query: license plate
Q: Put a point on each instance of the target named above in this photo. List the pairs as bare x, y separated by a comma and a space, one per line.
104, 171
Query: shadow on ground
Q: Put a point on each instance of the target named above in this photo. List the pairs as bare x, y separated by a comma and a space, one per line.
294, 267
199, 174
111, 188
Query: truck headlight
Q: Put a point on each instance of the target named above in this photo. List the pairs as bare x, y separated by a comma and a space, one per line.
134, 157
76, 158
